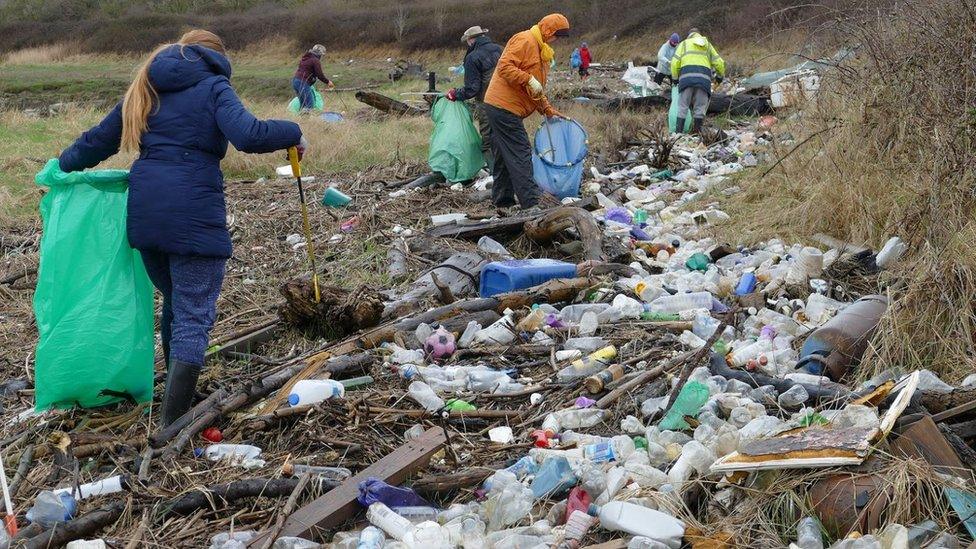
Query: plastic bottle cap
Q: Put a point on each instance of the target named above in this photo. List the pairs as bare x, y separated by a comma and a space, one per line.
198, 452
293, 399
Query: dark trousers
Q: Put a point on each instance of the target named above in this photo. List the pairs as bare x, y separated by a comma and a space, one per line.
478, 112
190, 286
512, 172
304, 92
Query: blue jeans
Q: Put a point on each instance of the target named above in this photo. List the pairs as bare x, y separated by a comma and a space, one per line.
304, 92
190, 286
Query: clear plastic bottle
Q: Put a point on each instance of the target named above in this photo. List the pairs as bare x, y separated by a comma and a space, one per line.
50, 508
371, 538
240, 454
385, 519
492, 246
588, 324
808, 535
681, 302
578, 524
422, 394
467, 337
313, 391
588, 365
333, 474
417, 513
502, 332
290, 542
508, 506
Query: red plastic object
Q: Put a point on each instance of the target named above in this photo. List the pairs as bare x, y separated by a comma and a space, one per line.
11, 523
542, 437
579, 500
213, 434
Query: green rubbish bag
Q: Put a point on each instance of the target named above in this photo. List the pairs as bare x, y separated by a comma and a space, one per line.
94, 301
318, 104
455, 144
689, 402
673, 112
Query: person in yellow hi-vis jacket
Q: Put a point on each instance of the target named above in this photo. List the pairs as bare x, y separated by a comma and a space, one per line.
693, 66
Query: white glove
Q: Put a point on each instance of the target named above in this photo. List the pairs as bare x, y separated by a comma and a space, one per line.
535, 87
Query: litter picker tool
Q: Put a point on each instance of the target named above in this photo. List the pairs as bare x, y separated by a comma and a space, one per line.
296, 170
10, 520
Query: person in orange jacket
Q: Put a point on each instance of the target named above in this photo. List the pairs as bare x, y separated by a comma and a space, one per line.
517, 90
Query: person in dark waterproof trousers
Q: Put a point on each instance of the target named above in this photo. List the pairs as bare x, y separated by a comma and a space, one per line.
479, 64
179, 113
517, 90
309, 70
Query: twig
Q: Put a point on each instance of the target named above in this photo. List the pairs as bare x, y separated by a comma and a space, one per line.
286, 510
26, 458
692, 361
447, 296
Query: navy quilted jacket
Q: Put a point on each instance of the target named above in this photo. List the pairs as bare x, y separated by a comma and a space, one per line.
176, 188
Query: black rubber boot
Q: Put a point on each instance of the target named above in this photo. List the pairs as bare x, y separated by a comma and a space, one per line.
680, 126
696, 127
181, 385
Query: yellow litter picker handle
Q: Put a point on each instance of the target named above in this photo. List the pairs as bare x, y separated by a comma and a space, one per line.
296, 164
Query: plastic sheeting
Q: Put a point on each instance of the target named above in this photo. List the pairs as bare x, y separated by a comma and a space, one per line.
557, 156
94, 301
455, 144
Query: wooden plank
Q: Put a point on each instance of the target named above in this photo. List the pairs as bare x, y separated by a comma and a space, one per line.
953, 412
923, 440
339, 504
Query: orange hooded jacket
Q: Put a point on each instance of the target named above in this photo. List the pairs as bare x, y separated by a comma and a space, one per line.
522, 59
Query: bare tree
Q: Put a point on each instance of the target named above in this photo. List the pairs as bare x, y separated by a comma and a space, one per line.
400, 21
440, 18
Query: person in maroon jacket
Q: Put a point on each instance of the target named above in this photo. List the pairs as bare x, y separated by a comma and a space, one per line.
309, 69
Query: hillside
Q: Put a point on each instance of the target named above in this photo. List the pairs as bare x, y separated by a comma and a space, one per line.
119, 26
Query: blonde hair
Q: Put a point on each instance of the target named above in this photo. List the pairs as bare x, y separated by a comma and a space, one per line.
141, 97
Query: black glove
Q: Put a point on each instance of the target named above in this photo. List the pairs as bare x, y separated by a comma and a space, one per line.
659, 78
719, 79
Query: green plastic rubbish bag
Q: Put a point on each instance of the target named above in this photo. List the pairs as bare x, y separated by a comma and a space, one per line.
455, 144
317, 103
94, 301
692, 397
673, 112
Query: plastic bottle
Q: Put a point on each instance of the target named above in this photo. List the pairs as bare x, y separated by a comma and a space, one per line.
333, 474
385, 519
313, 391
588, 365
109, 485
467, 337
893, 249
508, 506
417, 513
520, 469
681, 302
232, 540
371, 538
241, 454
600, 452
588, 324
617, 478
574, 418
596, 382
532, 321
808, 535
832, 348
50, 508
621, 516
555, 476
492, 246
422, 394
747, 284
579, 500
501, 332
578, 524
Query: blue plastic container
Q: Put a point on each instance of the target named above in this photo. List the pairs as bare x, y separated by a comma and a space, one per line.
499, 277
746, 284
554, 478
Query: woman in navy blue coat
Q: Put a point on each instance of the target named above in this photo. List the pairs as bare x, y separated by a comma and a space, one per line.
179, 113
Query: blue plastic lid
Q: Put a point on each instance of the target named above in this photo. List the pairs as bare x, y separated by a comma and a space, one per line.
198, 452
293, 399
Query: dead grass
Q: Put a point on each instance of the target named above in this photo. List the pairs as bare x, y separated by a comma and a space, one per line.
885, 151
40, 54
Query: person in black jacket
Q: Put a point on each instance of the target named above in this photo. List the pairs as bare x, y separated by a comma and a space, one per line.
479, 64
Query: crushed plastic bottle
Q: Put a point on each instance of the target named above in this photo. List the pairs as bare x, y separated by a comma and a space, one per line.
244, 455
492, 246
232, 540
385, 519
328, 474
588, 365
554, 477
622, 516
794, 397
371, 538
681, 302
51, 508
808, 534
423, 395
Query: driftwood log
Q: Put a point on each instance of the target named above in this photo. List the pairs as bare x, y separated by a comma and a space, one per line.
227, 493
740, 104
388, 104
546, 228
459, 274
338, 313
432, 486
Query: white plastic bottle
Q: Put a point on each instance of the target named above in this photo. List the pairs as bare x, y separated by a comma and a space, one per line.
635, 520
808, 534
313, 391
385, 519
243, 454
422, 394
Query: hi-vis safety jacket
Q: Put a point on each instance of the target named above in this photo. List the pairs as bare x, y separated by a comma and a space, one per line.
694, 62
